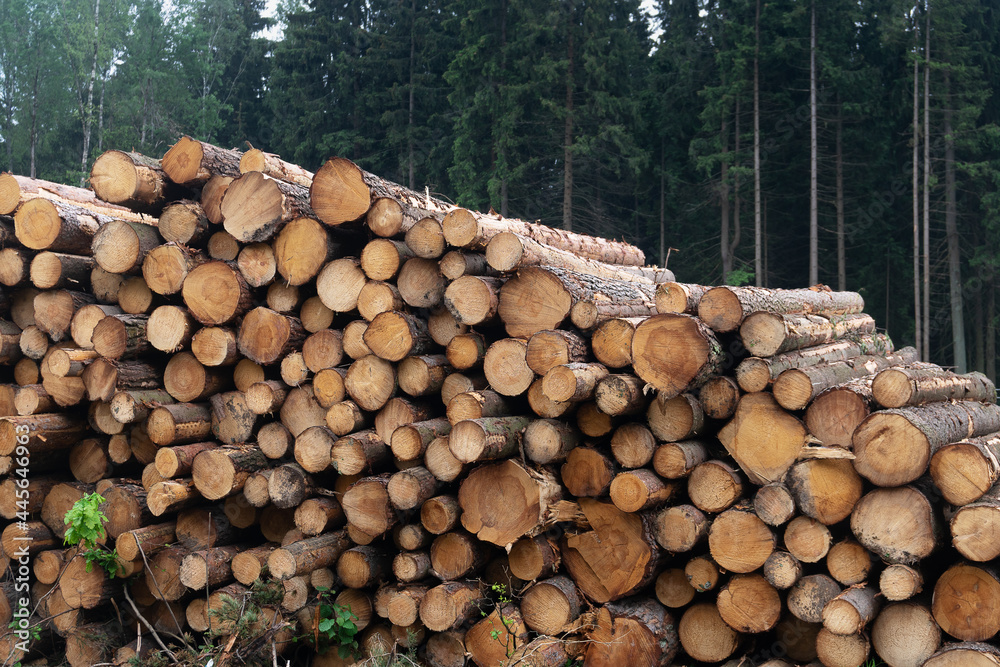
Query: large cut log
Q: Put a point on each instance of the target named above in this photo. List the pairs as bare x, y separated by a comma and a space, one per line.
656, 360
342, 192
587, 472
963, 471
763, 439
974, 527
450, 604
183, 222
965, 602
962, 654
467, 229
704, 635
894, 447
725, 308
133, 180
825, 489
834, 413
674, 297
616, 558
503, 501
897, 387
795, 388
767, 334
543, 297
905, 634
635, 631
367, 507
739, 541
192, 162
266, 336
216, 293
901, 524
508, 251
58, 226
748, 603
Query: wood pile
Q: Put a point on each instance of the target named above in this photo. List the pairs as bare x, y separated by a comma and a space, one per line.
493, 440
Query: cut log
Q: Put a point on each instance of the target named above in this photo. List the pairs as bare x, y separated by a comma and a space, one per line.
973, 527
360, 452
426, 238
849, 563
506, 367
220, 472
636, 631
52, 270
266, 336
473, 299
573, 382
763, 439
810, 595
725, 308
120, 246
548, 440
394, 335
170, 328
40, 433
457, 263
963, 471
367, 507
618, 395
672, 373
410, 441
172, 495
641, 489
973, 654
835, 650
748, 603
466, 229
782, 570
450, 604
54, 311
210, 567
894, 447
675, 460
896, 387
466, 351
503, 501
381, 259
193, 162
184, 222
542, 298
179, 423
617, 557
215, 346
739, 541
216, 293
851, 611
901, 524
587, 472
673, 297
146, 541
535, 558
421, 286
719, 397
486, 438
905, 634
673, 589
301, 411
767, 334
378, 297
43, 224
714, 486
680, 528
704, 635
795, 388
633, 445
807, 539
456, 555
304, 556
826, 490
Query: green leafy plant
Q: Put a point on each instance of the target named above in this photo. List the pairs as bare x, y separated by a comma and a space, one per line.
84, 527
336, 627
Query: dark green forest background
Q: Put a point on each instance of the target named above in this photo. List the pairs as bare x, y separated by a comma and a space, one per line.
588, 114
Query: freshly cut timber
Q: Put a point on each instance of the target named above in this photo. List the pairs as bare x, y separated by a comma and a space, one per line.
675, 418
342, 192
587, 472
132, 179
767, 334
965, 602
223, 471
165, 267
900, 524
367, 507
974, 526
835, 413
894, 447
506, 368
724, 308
622, 394
636, 631
905, 633
675, 353
467, 229
266, 336
896, 387
719, 397
542, 298
305, 556
614, 559
273, 166
387, 217
825, 489
680, 528
301, 249
963, 471
763, 439
704, 635
851, 611
550, 348
795, 388
748, 603
473, 299
43, 224
547, 440
674, 297
612, 341
183, 222
739, 541
394, 335
193, 162
54, 311
508, 251
216, 293
965, 654
503, 501
15, 190
51, 270
256, 205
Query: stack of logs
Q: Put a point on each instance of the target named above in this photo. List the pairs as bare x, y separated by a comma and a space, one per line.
490, 439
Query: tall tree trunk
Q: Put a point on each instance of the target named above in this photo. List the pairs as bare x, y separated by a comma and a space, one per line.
737, 230
727, 260
841, 251
991, 330
100, 115
87, 110
567, 207
758, 263
916, 207
951, 231
813, 162
33, 136
504, 210
926, 356
979, 360
663, 203
411, 176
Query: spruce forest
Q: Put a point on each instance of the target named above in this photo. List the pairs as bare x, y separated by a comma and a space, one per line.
780, 143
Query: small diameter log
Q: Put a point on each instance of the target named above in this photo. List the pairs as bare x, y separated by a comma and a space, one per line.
172, 495
362, 566
963, 471
317, 515
905, 633
476, 405
724, 308
120, 246
546, 408
807, 539
346, 417
826, 490
719, 397
357, 453
323, 349
588, 555
739, 541
328, 386
456, 263
637, 490
232, 419
256, 264
894, 447
421, 285
33, 399
851, 611
849, 563
450, 604
506, 368
633, 445
54, 311
248, 565
398, 412
766, 334
473, 299
216, 293
573, 382
835, 650
394, 335
179, 423
620, 395
587, 472
208, 568
220, 472
40, 433
487, 438
674, 297
147, 540
456, 555
289, 485
704, 635
534, 558
116, 336
215, 346
439, 460
15, 268
764, 458
900, 524
459, 383
748, 603
782, 570
339, 283
714, 486
673, 590
675, 460
774, 504
382, 258
304, 556
547, 440
266, 336
549, 348
973, 527
367, 507
465, 351
440, 514
680, 528
51, 270
411, 487
835, 413
897, 387
756, 373
795, 388
165, 267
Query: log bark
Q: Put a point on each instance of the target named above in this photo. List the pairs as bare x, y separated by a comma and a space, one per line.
724, 308
55, 270
810, 595
851, 611
767, 334
304, 556
394, 335
674, 297
795, 388
896, 387
193, 162
273, 166
894, 447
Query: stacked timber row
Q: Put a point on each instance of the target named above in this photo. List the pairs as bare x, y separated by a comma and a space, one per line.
491, 440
